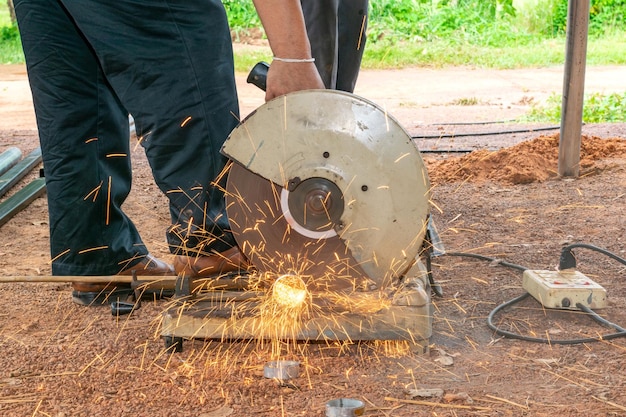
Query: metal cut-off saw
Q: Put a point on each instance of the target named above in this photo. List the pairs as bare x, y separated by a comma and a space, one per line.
326, 186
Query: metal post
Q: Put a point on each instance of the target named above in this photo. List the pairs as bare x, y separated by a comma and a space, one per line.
573, 88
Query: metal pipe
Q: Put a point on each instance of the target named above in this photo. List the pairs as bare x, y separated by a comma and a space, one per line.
9, 158
13, 175
21, 199
95, 279
221, 285
146, 282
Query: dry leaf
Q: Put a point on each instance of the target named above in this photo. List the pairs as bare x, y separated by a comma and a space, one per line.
460, 396
445, 360
551, 361
426, 393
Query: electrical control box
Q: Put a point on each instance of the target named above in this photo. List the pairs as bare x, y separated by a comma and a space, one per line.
564, 289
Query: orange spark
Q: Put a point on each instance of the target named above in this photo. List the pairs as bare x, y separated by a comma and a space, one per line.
109, 202
358, 47
95, 192
185, 121
142, 138
92, 249
59, 255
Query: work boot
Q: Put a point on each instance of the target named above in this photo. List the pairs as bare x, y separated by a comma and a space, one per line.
149, 265
228, 270
215, 264
88, 294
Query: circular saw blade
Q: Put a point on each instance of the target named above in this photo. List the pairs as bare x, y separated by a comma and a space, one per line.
274, 240
337, 187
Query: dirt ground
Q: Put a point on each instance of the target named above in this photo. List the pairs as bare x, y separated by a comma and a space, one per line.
503, 201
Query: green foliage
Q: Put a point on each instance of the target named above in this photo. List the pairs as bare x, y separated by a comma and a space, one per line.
8, 33
241, 14
597, 108
10, 45
483, 33
460, 21
397, 19
605, 108
494, 23
605, 16
559, 17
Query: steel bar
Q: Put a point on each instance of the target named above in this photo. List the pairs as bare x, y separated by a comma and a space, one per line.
9, 158
13, 175
96, 279
143, 282
217, 285
21, 199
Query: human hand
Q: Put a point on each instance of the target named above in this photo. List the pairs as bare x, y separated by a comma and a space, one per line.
287, 77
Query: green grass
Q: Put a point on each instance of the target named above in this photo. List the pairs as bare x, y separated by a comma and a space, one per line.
244, 61
441, 33
609, 50
597, 108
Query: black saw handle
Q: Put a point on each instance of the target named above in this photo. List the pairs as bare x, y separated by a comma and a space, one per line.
258, 75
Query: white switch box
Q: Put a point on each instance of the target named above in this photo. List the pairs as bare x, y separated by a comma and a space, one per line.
564, 289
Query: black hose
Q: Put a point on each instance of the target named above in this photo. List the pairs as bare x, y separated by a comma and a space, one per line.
578, 341
621, 332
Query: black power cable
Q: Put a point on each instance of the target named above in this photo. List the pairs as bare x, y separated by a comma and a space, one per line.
489, 259
568, 260
493, 133
566, 253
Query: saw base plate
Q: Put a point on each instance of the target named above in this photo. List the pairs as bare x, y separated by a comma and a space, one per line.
403, 313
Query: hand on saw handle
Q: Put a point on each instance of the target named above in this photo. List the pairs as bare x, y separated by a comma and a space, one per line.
285, 29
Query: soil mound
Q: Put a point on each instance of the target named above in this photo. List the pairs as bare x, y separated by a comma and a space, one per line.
527, 162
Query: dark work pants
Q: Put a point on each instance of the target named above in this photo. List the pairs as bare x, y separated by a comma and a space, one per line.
91, 63
336, 30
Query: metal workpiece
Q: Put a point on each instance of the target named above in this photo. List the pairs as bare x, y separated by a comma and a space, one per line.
403, 313
282, 370
345, 407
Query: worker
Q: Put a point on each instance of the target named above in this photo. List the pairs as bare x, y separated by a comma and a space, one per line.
90, 64
336, 30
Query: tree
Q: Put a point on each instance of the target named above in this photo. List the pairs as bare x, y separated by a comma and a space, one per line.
12, 11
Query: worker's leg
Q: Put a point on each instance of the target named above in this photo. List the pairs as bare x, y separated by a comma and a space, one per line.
336, 30
173, 70
321, 18
352, 25
83, 130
